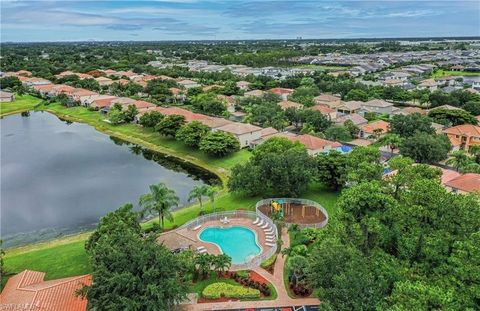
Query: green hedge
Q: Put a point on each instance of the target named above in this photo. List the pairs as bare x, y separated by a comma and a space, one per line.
267, 263
217, 290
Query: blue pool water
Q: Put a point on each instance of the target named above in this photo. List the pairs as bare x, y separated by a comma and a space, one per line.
237, 242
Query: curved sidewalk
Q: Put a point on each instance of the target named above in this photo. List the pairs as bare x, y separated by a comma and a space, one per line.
276, 280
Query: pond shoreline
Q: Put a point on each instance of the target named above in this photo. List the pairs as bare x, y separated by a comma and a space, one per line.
163, 151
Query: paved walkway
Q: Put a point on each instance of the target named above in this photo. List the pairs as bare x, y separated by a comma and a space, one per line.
277, 281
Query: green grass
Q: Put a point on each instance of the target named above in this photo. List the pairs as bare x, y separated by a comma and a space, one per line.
20, 104
442, 73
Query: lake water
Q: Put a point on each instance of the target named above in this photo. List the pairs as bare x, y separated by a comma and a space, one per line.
60, 177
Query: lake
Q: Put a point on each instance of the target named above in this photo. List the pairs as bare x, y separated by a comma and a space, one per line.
59, 177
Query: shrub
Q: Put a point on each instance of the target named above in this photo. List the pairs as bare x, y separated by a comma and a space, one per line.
220, 289
270, 261
243, 274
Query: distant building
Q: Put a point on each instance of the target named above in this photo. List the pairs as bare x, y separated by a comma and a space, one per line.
6, 97
377, 106
463, 136
466, 183
374, 130
245, 133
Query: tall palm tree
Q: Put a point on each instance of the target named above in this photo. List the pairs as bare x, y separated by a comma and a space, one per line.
475, 151
212, 191
393, 141
197, 192
459, 160
160, 199
221, 263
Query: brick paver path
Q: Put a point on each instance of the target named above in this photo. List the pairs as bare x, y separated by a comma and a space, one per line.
277, 281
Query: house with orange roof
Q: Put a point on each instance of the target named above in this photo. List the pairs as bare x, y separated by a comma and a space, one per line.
78, 94
43, 89
29, 291
98, 101
374, 130
283, 92
104, 81
24, 73
244, 132
466, 183
315, 145
328, 112
61, 89
463, 136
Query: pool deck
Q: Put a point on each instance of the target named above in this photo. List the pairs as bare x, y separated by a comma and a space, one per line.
193, 240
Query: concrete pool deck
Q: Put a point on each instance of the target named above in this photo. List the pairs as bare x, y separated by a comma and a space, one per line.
184, 237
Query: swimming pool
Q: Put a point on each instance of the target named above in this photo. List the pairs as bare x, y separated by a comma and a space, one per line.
237, 242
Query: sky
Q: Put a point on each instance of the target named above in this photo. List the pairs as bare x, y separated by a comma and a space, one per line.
45, 20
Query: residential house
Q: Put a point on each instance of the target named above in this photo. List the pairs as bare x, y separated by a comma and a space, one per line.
349, 107
466, 183
24, 73
374, 130
97, 101
229, 101
43, 90
285, 104
28, 290
6, 97
463, 136
315, 145
255, 93
245, 133
35, 81
283, 92
243, 85
104, 81
78, 94
329, 100
328, 112
377, 106
188, 84
356, 119
428, 84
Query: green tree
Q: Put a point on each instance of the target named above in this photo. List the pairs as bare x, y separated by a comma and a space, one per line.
459, 159
452, 117
393, 141
150, 119
115, 115
332, 169
192, 133
357, 94
338, 133
130, 113
219, 143
169, 125
406, 126
426, 148
161, 200
352, 128
198, 192
221, 263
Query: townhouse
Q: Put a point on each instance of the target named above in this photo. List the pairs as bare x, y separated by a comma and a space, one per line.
374, 130
244, 132
463, 136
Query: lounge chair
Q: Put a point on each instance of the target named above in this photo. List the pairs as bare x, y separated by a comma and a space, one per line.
203, 251
256, 221
267, 229
269, 240
260, 223
269, 236
268, 232
196, 227
270, 244
201, 248
265, 225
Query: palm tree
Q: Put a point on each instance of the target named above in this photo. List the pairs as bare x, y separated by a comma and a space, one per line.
222, 262
459, 160
203, 263
160, 199
212, 191
198, 192
475, 151
393, 141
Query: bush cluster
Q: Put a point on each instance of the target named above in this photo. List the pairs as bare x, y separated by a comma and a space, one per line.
221, 289
245, 280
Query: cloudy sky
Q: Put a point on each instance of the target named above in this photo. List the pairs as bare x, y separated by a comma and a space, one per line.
44, 20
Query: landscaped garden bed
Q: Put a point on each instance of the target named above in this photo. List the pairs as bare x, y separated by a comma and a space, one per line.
269, 264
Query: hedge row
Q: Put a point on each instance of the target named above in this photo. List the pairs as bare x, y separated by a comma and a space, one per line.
220, 289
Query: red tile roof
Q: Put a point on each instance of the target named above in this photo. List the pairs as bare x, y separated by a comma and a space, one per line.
281, 90
379, 124
28, 288
324, 109
238, 128
314, 143
464, 129
289, 104
469, 182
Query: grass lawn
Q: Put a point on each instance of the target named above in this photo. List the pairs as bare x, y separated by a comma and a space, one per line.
20, 104
442, 73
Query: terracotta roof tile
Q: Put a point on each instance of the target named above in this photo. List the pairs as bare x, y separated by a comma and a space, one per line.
469, 182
